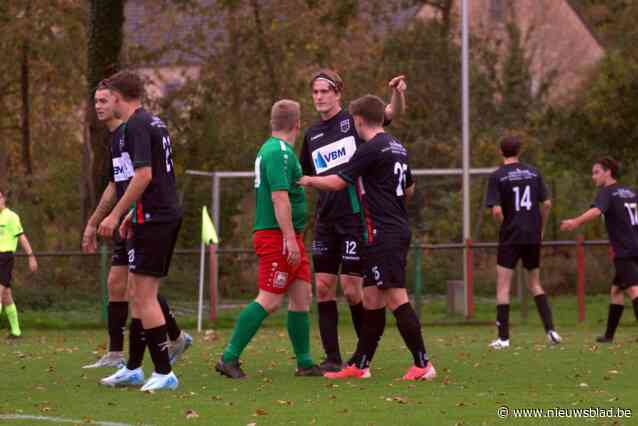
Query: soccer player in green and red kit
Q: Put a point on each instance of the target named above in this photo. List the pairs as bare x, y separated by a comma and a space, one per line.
283, 265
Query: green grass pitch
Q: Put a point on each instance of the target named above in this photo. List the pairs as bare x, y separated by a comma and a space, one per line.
41, 376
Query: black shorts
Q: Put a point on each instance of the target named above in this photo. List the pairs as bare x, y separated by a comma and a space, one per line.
338, 243
6, 268
151, 248
509, 254
626, 272
385, 264
119, 256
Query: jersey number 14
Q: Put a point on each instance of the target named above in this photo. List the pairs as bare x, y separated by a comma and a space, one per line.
524, 200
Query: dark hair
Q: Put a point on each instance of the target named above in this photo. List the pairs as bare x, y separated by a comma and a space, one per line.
369, 107
329, 76
608, 163
103, 85
510, 146
128, 83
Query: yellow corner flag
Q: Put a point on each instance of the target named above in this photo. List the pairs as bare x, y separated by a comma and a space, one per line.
209, 235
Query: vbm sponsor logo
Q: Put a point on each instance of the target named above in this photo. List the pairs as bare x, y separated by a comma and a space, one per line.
334, 154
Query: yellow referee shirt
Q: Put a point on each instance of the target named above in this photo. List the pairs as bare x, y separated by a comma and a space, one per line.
10, 230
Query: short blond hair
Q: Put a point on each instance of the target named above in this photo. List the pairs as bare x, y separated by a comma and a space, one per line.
284, 115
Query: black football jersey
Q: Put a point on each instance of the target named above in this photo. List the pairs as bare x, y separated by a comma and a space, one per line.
381, 171
518, 188
327, 148
619, 205
148, 144
121, 167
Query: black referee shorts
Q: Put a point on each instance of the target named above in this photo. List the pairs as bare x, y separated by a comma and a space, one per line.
6, 268
338, 243
626, 272
509, 255
151, 248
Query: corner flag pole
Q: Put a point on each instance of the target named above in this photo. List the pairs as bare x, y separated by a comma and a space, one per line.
209, 237
200, 298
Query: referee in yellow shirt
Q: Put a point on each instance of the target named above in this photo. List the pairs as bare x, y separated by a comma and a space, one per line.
10, 232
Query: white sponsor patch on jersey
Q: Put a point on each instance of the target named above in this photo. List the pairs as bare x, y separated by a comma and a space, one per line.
334, 154
123, 168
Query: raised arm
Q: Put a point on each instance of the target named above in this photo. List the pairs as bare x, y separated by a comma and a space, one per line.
397, 105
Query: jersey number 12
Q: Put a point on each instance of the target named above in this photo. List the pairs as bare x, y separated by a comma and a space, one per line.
522, 201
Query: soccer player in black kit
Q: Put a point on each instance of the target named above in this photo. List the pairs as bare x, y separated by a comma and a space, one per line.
119, 177
151, 230
619, 205
379, 168
519, 201
327, 147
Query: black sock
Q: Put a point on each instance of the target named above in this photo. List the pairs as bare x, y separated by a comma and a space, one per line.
635, 303
615, 312
544, 311
171, 324
410, 329
136, 345
503, 321
117, 314
328, 323
158, 347
357, 311
373, 325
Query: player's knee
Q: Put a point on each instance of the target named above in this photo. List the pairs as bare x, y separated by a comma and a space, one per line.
117, 290
535, 288
395, 297
326, 291
353, 294
6, 298
299, 305
270, 302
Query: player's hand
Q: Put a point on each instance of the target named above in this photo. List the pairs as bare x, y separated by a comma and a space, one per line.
89, 239
398, 83
568, 225
126, 228
291, 251
305, 181
107, 227
33, 264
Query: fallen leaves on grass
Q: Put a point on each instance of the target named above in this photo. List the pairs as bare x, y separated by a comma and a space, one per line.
209, 336
284, 402
192, 414
260, 412
398, 399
